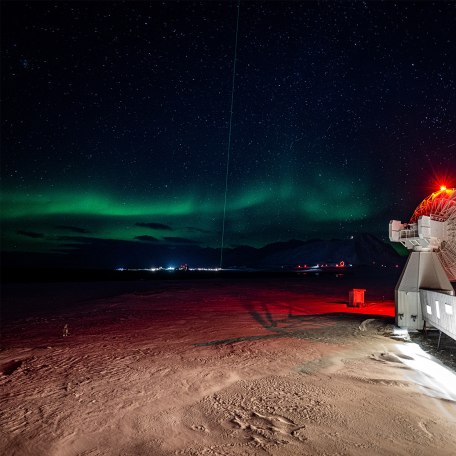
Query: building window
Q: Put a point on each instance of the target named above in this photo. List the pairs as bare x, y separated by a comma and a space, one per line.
428, 309
448, 309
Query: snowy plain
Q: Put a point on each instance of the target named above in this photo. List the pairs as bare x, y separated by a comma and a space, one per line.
278, 366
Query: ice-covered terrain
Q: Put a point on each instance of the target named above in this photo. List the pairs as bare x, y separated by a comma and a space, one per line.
216, 367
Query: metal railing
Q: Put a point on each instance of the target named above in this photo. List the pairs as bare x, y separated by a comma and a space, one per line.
408, 233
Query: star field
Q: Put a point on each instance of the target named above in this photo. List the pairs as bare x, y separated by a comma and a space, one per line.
115, 120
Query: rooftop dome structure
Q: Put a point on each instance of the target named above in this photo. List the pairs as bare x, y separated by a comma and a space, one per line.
440, 206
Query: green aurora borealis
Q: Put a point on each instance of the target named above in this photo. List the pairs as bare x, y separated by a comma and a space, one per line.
116, 120
35, 221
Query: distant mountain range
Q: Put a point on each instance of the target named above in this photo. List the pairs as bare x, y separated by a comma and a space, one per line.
92, 253
363, 249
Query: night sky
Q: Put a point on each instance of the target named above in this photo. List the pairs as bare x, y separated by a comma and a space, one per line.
115, 120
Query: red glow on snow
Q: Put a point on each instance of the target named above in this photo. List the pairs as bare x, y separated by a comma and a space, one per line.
202, 310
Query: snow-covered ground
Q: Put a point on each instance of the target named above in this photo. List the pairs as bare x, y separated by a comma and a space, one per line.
216, 367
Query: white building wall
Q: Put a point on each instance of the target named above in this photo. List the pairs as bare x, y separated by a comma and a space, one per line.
439, 310
422, 271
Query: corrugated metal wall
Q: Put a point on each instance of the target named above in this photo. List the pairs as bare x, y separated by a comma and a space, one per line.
439, 310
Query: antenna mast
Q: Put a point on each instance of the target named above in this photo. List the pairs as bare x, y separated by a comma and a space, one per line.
229, 133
